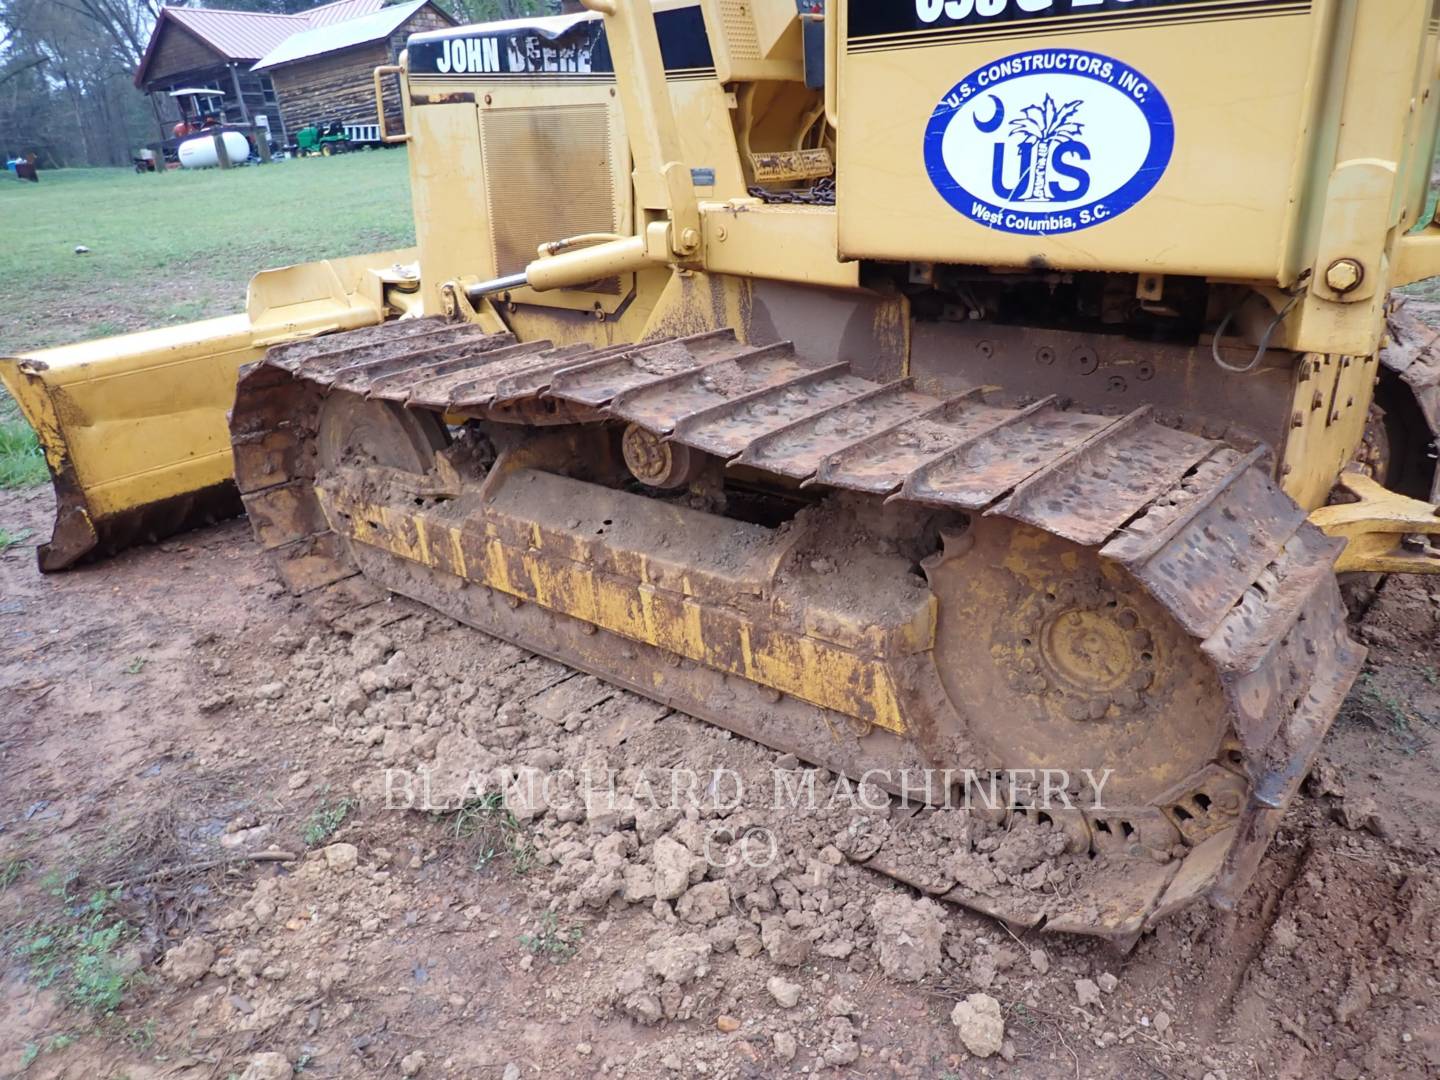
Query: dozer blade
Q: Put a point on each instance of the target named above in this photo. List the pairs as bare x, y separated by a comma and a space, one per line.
134, 427
966, 591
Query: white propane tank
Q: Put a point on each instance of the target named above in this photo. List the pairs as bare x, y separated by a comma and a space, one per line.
199, 152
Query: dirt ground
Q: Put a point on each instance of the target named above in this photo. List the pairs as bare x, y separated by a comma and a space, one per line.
174, 707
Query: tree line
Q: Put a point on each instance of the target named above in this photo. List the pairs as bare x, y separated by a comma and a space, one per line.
67, 68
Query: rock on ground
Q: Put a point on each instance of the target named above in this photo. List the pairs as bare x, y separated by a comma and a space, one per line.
981, 1024
785, 1046
188, 961
526, 798
704, 903
785, 993
342, 858
844, 1043
786, 948
908, 934
1087, 993
681, 959
673, 863
268, 1066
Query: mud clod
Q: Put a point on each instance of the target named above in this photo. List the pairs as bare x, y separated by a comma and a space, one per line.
189, 961
785, 993
268, 1066
981, 1024
786, 947
908, 934
342, 858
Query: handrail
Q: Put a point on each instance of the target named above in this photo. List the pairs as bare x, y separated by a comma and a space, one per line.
831, 22
380, 73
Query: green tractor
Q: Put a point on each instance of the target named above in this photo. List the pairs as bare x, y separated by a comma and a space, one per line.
321, 139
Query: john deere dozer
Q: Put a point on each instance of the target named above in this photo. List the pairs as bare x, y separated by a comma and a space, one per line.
947, 385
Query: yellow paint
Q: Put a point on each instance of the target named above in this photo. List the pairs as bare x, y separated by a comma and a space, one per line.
817, 671
142, 417
770, 49
1331, 403
1302, 135
1374, 526
782, 243
457, 555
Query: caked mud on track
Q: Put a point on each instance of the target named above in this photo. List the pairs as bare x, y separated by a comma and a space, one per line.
865, 575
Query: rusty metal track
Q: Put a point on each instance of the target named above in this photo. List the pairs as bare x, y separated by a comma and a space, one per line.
1199, 524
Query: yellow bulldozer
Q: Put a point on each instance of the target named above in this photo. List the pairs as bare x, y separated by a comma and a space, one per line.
929, 388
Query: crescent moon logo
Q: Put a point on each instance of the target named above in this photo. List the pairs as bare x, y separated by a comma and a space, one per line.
996, 117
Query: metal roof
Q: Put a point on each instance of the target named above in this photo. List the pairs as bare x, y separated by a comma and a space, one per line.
333, 37
236, 35
340, 10
248, 35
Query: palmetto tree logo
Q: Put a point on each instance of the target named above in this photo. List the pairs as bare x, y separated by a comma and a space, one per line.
1042, 128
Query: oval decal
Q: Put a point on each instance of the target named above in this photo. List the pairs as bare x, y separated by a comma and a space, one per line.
1049, 141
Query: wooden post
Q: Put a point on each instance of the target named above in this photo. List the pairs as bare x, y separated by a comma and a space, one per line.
239, 94
217, 134
159, 124
262, 141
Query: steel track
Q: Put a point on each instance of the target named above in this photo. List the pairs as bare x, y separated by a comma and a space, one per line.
1197, 523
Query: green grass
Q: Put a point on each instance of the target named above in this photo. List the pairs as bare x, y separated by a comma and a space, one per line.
10, 539
142, 1036
327, 818
484, 830
181, 245
21, 462
12, 870
552, 940
170, 248
76, 950
49, 1045
1382, 701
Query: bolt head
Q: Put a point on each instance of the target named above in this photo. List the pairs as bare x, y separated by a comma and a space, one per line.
1344, 274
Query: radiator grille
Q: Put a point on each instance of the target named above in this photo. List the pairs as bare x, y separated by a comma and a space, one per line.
741, 41
549, 174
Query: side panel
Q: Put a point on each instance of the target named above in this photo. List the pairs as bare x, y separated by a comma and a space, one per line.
447, 190
498, 169
519, 139
1235, 83
1178, 136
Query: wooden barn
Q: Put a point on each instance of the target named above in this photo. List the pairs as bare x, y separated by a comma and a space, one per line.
209, 48
322, 57
324, 74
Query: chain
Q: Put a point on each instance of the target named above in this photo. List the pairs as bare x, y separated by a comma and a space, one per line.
822, 194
